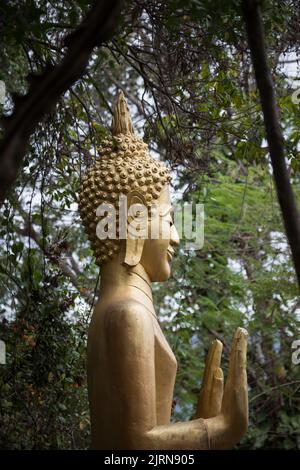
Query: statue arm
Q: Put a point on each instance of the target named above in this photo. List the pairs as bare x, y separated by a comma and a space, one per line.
132, 364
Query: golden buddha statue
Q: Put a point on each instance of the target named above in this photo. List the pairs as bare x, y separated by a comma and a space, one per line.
131, 367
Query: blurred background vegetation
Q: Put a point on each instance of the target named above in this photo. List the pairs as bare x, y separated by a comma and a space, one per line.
185, 69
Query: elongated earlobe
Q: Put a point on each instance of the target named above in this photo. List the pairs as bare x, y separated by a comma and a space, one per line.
133, 251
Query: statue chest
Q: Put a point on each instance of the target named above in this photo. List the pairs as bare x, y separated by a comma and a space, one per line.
165, 375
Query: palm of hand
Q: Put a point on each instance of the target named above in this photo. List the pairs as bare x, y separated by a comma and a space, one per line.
225, 408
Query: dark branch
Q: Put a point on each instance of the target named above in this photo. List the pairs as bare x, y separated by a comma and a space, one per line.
71, 272
290, 214
45, 89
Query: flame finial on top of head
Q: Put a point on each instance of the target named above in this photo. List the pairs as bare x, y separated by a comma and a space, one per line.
121, 122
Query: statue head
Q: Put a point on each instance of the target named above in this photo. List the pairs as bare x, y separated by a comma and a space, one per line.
125, 168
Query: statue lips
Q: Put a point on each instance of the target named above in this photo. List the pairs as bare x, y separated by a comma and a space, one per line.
170, 254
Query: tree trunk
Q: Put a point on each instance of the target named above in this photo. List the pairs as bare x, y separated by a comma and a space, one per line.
287, 201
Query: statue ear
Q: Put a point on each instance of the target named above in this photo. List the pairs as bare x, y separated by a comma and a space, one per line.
134, 250
137, 228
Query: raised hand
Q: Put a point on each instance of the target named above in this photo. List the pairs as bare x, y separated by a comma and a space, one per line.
226, 413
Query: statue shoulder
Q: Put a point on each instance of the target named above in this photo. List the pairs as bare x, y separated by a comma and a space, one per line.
127, 314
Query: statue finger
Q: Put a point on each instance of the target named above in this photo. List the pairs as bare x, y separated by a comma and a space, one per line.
213, 361
216, 396
235, 397
238, 358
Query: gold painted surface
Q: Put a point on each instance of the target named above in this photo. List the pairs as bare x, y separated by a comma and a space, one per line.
131, 367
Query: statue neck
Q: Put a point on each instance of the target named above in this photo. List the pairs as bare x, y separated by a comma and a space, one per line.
118, 280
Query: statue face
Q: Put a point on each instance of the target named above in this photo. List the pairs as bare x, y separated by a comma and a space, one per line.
158, 252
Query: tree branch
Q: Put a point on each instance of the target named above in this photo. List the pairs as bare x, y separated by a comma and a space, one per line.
46, 89
55, 259
126, 92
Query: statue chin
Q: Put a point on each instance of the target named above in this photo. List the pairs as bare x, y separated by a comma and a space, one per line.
163, 276
159, 272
